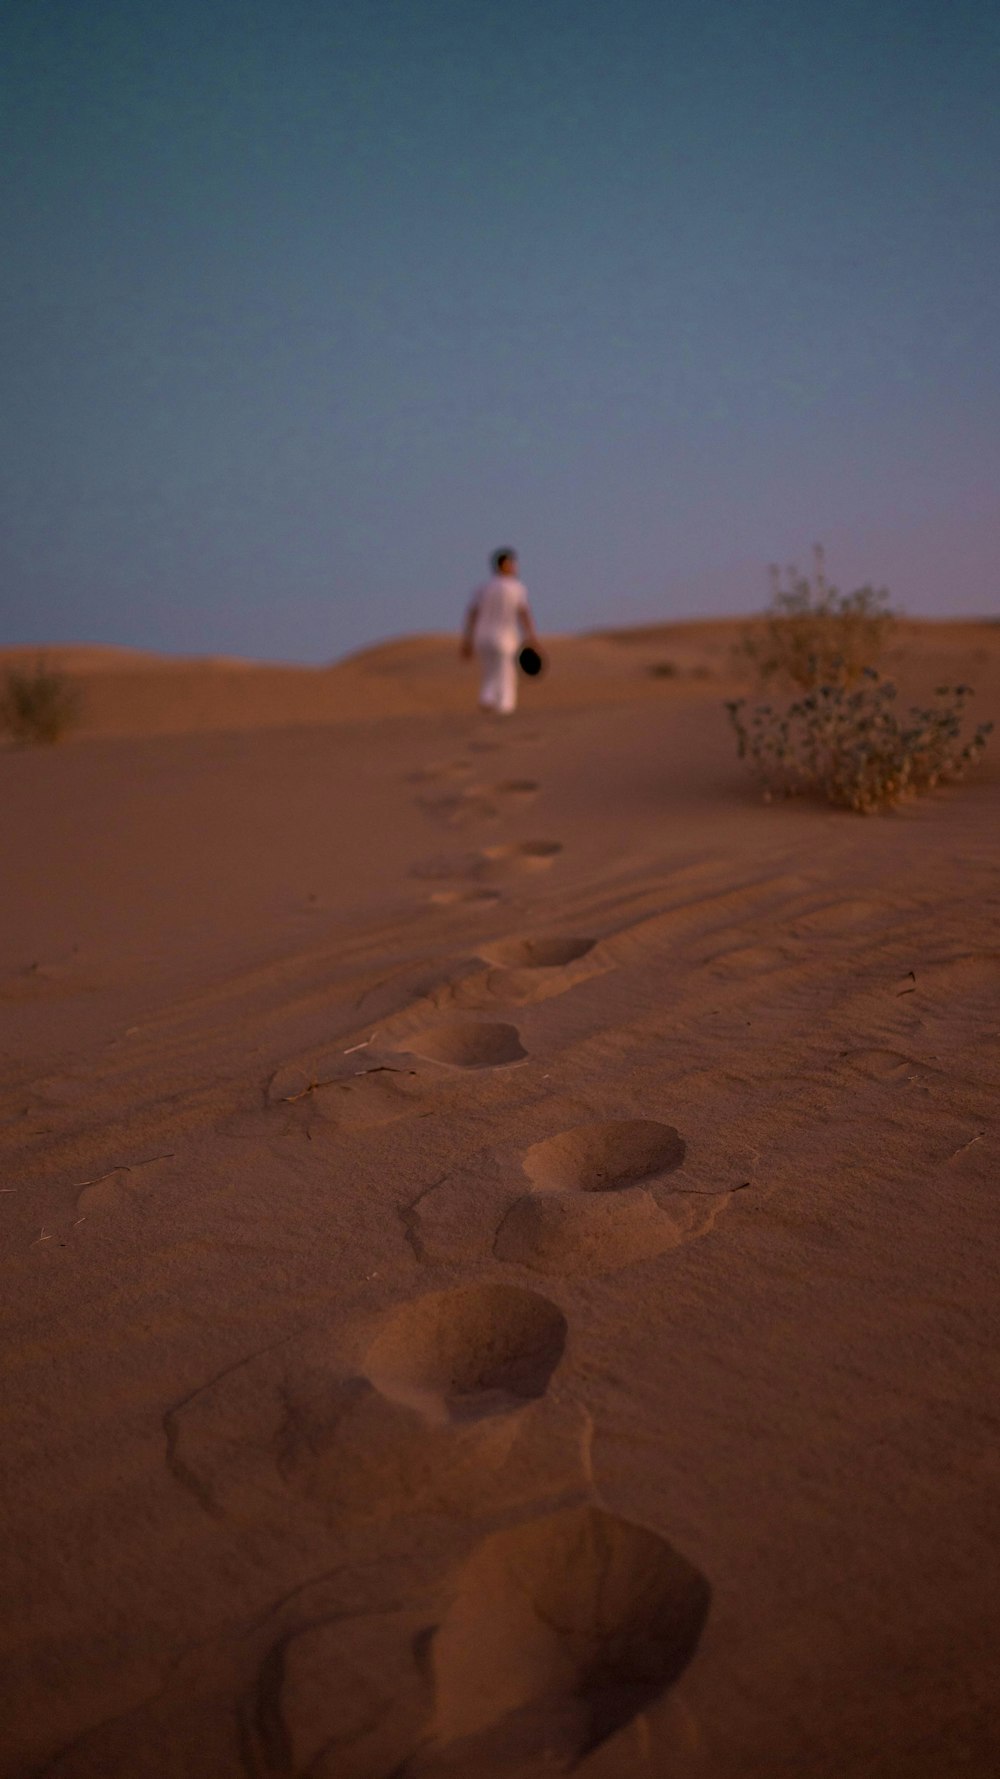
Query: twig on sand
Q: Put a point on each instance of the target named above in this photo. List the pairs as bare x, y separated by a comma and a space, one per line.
709, 1192
961, 1151
380, 1068
362, 1046
123, 1168
44, 1237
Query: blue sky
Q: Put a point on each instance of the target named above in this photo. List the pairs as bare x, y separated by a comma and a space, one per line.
307, 306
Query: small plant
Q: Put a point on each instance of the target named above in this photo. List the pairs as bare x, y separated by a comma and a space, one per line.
38, 705
852, 747
814, 635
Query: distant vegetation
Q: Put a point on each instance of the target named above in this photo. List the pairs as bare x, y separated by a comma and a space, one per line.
842, 739
38, 705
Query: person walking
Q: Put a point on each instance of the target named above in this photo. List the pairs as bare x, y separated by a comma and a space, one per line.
497, 620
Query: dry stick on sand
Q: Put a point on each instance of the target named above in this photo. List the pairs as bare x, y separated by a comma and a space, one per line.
381, 1068
124, 1168
961, 1151
706, 1192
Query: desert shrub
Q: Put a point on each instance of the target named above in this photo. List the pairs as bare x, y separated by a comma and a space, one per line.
37, 704
813, 635
852, 747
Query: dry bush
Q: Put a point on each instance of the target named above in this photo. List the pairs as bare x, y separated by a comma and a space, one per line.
814, 635
852, 747
843, 738
38, 705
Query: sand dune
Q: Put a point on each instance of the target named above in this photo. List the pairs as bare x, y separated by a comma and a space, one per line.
500, 1233
128, 692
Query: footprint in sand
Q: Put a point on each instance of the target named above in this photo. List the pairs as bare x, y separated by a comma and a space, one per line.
468, 1044
440, 771
560, 1632
523, 855
598, 1200
438, 1413
490, 861
591, 1199
551, 1638
459, 1355
472, 803
446, 898
550, 953
462, 808
604, 1157
522, 970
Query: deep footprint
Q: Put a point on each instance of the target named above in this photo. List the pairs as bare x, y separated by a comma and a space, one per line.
582, 1234
478, 1350
461, 808
468, 1044
604, 1157
537, 954
528, 855
447, 897
561, 1631
448, 1405
592, 1209
440, 769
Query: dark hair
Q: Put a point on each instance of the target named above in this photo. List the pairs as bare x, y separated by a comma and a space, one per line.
502, 556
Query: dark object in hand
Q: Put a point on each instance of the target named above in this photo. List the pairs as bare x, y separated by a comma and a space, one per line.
530, 661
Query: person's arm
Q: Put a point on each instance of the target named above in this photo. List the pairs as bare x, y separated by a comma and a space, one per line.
469, 631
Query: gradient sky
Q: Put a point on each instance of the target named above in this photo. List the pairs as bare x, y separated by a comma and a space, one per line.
308, 305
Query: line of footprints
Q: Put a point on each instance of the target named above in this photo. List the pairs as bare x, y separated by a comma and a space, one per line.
450, 796
564, 1623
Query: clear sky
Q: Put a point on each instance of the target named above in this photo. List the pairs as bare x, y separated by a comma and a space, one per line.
307, 305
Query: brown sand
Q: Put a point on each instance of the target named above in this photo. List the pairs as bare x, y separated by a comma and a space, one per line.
500, 1235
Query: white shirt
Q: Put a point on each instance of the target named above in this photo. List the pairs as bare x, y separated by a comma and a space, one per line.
496, 606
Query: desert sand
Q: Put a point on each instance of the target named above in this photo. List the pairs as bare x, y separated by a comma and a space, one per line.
500, 1233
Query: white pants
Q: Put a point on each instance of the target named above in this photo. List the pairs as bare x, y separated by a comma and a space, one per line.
498, 662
